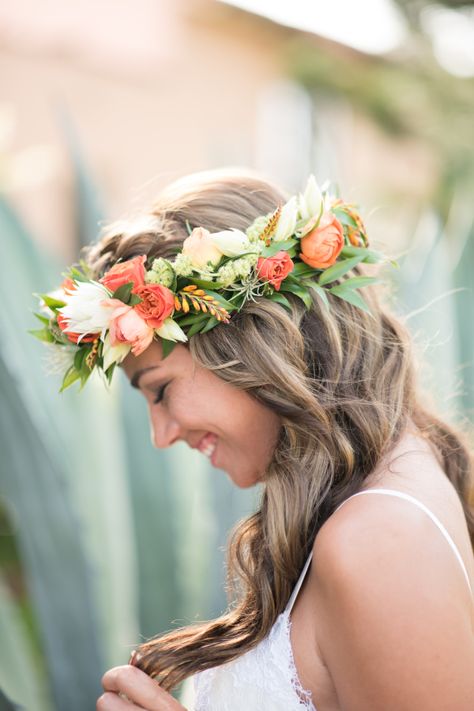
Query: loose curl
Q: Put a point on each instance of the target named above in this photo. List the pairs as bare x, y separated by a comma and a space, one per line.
342, 382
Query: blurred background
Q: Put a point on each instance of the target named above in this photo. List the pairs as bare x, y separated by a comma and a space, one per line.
105, 541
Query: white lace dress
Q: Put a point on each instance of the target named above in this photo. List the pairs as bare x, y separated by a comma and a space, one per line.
265, 678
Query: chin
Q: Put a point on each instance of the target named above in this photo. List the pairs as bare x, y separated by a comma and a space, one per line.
244, 481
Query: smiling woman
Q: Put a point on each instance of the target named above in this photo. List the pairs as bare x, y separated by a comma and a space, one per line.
308, 389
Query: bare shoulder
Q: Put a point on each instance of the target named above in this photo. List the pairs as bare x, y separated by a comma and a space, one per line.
391, 599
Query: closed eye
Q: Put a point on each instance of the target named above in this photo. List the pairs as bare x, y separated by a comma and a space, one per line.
159, 393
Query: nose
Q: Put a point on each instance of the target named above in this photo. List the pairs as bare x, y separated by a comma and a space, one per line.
164, 430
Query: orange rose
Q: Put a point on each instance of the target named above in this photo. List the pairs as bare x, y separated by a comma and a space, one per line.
63, 323
275, 269
156, 305
321, 246
124, 272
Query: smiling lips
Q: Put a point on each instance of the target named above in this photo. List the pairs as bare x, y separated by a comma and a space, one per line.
208, 444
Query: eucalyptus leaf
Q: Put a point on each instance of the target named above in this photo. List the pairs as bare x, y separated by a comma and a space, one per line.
350, 295
276, 296
275, 247
369, 256
344, 217
300, 291
359, 282
195, 328
338, 270
205, 284
134, 300
320, 292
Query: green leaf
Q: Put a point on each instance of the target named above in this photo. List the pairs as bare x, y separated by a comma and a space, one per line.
43, 319
203, 283
109, 372
350, 295
79, 358
42, 334
195, 327
344, 217
338, 269
213, 321
134, 300
369, 256
189, 319
223, 302
275, 247
167, 346
276, 296
70, 377
301, 269
320, 292
359, 282
300, 291
54, 304
123, 292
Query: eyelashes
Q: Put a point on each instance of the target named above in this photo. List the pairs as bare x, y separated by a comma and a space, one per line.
159, 394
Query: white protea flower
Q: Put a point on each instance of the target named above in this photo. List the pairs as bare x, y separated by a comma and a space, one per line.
311, 201
114, 354
287, 221
84, 310
59, 358
171, 331
231, 243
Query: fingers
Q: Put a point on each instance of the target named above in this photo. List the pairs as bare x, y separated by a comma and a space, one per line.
141, 689
113, 702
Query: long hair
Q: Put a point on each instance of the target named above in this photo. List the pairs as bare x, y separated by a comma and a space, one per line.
341, 381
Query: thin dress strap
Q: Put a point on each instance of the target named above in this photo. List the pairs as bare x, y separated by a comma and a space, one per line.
296, 589
408, 497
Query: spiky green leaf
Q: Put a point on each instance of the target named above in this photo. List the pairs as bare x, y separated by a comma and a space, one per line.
338, 270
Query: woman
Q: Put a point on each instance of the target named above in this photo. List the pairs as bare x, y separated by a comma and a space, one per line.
352, 582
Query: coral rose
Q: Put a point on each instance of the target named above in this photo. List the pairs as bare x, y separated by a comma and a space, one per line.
275, 269
124, 272
321, 246
126, 326
73, 337
156, 305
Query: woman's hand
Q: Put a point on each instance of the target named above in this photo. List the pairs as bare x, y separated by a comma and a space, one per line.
142, 693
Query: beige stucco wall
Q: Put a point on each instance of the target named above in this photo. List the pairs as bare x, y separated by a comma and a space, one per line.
154, 90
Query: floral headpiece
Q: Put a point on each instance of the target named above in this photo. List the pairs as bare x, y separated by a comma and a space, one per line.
310, 242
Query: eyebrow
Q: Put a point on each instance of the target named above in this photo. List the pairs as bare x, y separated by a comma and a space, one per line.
134, 381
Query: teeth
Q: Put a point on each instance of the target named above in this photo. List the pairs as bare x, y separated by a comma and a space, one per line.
208, 450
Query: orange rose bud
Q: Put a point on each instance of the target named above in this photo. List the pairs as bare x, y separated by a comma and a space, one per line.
124, 272
275, 269
321, 246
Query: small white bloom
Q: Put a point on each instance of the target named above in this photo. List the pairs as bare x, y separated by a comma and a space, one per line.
59, 358
113, 354
311, 201
171, 331
84, 310
287, 222
231, 243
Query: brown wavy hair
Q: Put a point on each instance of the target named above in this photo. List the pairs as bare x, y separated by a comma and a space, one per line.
342, 382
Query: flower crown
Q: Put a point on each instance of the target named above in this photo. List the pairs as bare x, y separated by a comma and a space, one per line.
306, 244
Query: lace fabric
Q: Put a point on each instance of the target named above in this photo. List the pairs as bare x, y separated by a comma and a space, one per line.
265, 677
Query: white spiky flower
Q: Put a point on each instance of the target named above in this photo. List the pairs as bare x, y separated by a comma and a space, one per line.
171, 331
311, 201
84, 310
286, 224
